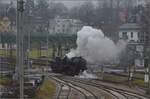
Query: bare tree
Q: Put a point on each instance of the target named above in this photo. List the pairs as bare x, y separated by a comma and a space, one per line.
42, 9
58, 9
87, 13
74, 12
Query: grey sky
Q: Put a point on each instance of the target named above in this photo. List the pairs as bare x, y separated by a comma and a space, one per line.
68, 3
71, 3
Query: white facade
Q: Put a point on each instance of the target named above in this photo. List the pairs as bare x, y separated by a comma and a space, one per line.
6, 46
131, 33
141, 2
139, 63
139, 60
60, 25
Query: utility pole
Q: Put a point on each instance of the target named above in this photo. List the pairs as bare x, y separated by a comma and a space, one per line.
30, 23
47, 41
111, 7
20, 54
148, 43
147, 49
29, 41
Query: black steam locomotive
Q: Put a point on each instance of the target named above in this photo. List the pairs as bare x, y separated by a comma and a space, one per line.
66, 66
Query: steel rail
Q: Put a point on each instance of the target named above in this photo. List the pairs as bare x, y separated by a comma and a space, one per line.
66, 83
105, 90
111, 88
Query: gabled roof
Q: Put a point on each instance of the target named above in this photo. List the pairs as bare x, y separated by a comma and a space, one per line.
129, 26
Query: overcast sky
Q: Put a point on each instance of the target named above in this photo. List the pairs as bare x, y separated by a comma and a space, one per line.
72, 3
68, 3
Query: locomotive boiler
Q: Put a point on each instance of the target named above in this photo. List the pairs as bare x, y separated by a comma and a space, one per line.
68, 66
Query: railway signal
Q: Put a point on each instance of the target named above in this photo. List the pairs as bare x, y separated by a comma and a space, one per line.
20, 54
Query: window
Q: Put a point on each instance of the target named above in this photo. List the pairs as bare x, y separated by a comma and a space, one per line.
142, 39
53, 28
58, 21
3, 45
131, 34
58, 31
58, 25
63, 30
124, 35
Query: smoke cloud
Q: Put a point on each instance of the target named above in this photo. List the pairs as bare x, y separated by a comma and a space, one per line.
95, 47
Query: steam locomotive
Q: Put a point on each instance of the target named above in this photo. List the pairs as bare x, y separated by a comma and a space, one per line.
68, 66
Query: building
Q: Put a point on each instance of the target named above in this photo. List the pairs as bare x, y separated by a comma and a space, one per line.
131, 33
6, 26
7, 29
141, 2
67, 26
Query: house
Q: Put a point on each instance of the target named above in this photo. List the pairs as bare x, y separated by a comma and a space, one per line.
6, 28
131, 33
141, 2
65, 25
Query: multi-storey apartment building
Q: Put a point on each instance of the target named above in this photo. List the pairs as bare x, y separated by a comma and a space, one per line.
65, 25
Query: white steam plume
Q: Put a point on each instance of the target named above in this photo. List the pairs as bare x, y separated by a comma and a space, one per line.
95, 47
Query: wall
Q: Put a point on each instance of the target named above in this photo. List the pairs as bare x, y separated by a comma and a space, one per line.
134, 38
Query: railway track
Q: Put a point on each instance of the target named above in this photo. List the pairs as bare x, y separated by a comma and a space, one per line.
128, 93
64, 92
86, 94
117, 93
113, 94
